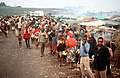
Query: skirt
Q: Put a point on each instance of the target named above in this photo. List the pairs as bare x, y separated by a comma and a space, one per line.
54, 47
71, 55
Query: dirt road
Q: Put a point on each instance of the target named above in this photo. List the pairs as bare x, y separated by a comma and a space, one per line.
27, 63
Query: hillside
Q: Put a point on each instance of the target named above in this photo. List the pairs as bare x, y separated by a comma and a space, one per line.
10, 11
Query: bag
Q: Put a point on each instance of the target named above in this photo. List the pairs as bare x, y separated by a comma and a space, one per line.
78, 51
7, 32
32, 36
65, 53
13, 28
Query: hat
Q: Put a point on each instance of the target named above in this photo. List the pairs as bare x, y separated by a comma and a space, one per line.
70, 33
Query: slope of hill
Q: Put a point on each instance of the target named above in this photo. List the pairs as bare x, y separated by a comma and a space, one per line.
4, 11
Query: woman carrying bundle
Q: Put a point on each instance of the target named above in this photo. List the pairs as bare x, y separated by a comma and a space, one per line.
71, 47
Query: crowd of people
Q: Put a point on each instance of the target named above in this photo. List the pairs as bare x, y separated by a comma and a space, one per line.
72, 44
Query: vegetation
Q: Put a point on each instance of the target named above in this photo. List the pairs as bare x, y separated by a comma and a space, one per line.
2, 4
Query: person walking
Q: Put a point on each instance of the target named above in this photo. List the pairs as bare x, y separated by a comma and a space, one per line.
50, 37
54, 44
84, 60
42, 41
37, 34
93, 43
26, 36
61, 47
100, 59
20, 40
108, 45
71, 47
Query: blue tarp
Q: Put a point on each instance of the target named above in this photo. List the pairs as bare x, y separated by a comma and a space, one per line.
100, 17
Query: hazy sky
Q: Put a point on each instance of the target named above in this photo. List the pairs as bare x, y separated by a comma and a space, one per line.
98, 5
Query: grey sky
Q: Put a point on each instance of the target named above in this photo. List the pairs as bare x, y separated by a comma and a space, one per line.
91, 5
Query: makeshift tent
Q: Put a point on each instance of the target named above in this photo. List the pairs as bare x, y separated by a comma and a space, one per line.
95, 23
111, 23
100, 22
100, 17
86, 19
116, 19
113, 16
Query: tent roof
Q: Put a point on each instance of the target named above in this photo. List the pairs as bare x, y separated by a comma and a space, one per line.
94, 23
100, 22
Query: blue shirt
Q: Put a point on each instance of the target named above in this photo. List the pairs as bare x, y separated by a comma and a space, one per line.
82, 53
54, 40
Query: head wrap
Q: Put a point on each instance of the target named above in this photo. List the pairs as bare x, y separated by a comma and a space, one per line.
70, 34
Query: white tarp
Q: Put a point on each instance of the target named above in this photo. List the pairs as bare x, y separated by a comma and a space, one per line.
37, 13
94, 23
100, 22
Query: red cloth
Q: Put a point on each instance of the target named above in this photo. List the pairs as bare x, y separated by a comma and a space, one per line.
26, 35
37, 30
54, 47
71, 42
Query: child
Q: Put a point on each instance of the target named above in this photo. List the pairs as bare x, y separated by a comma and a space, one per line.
32, 38
20, 40
54, 44
37, 43
37, 39
61, 46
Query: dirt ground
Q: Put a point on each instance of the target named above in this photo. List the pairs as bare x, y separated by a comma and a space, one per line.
27, 63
